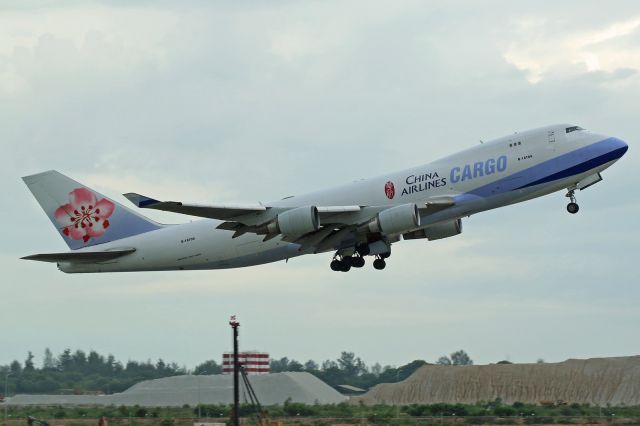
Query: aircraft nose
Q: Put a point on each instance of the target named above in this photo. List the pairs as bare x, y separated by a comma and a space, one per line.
619, 147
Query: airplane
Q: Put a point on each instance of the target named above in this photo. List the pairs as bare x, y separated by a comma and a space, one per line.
354, 220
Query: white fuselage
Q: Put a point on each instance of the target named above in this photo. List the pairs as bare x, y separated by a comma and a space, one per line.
493, 174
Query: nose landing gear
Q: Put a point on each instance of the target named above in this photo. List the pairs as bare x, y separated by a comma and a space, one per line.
572, 207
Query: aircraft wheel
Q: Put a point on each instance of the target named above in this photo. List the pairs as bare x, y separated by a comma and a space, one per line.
379, 264
357, 262
573, 208
335, 265
346, 266
385, 255
347, 260
363, 249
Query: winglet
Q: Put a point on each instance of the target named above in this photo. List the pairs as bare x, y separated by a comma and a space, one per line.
139, 200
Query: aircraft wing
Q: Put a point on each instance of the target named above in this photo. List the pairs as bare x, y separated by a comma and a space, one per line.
210, 211
335, 222
83, 256
230, 212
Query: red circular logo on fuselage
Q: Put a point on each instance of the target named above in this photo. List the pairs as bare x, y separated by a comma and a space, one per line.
389, 190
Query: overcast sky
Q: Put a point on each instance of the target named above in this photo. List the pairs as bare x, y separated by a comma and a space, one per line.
253, 101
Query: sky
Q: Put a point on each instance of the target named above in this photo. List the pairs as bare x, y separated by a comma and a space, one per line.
253, 101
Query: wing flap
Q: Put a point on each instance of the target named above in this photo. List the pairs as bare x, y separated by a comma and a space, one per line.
83, 256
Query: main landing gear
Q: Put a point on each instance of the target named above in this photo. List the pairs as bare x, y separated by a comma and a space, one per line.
345, 263
572, 207
380, 262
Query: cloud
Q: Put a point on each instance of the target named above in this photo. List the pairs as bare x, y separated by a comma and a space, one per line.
542, 48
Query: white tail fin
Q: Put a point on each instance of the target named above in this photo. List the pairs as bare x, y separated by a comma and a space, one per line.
83, 216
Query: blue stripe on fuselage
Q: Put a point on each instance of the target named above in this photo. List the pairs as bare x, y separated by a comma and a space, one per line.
560, 167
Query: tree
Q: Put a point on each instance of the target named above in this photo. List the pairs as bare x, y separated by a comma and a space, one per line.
392, 375
111, 364
461, 358
328, 365
351, 365
540, 361
279, 365
15, 367
79, 360
376, 369
208, 367
95, 362
28, 363
48, 363
311, 365
295, 366
65, 360
443, 360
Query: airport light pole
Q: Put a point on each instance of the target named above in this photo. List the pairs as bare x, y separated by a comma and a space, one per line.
236, 370
6, 387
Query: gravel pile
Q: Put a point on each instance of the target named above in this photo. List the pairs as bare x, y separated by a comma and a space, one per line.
217, 389
597, 381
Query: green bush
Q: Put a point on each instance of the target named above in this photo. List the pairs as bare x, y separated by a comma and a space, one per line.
504, 411
140, 412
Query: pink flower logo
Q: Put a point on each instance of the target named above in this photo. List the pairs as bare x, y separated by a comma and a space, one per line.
84, 217
389, 190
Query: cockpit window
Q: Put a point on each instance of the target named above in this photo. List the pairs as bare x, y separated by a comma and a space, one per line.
573, 129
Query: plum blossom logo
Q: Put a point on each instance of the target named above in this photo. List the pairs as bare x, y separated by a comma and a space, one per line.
84, 217
389, 190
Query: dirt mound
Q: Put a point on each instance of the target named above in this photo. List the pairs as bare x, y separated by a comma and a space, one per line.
597, 381
176, 391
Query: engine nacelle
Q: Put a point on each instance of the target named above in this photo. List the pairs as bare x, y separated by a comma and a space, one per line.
396, 220
436, 232
298, 221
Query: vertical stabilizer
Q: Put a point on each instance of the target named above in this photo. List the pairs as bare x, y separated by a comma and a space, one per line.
83, 216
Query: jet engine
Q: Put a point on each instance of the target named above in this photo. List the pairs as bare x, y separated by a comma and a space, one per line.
395, 220
436, 232
298, 221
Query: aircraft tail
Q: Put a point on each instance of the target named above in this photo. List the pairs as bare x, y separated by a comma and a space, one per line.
83, 216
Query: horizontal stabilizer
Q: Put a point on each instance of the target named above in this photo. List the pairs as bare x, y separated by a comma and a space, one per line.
82, 256
210, 211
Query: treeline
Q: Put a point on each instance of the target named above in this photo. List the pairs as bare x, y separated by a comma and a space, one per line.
81, 372
349, 370
78, 372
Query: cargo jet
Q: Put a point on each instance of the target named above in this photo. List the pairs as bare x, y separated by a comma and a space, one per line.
354, 220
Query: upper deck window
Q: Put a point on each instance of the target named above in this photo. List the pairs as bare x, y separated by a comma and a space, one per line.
573, 129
